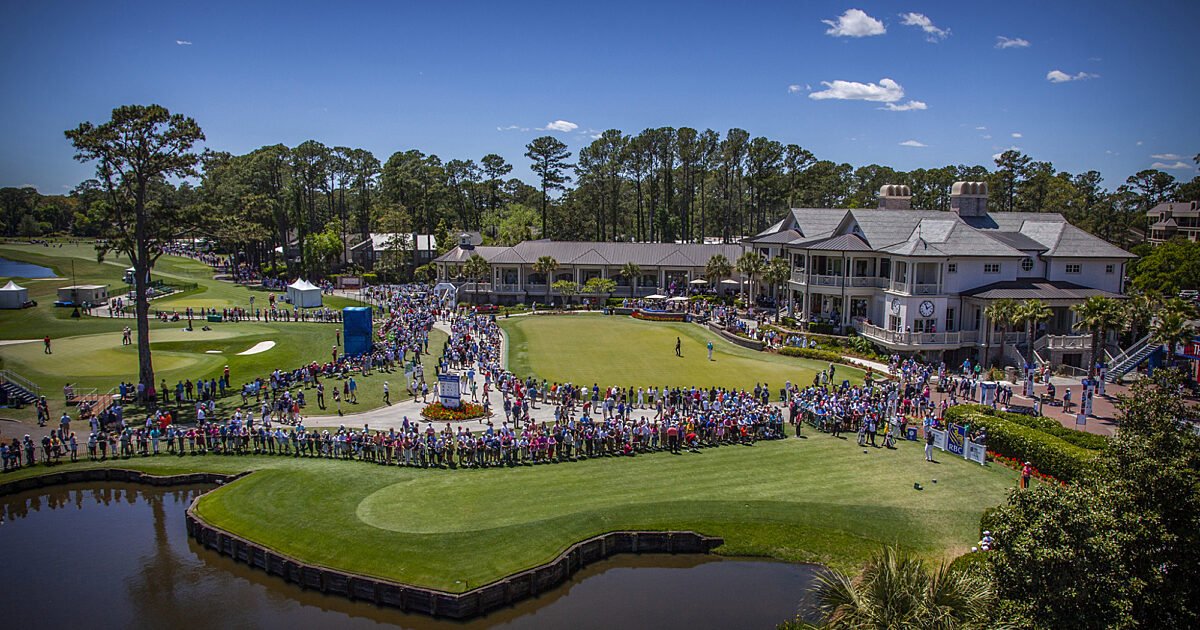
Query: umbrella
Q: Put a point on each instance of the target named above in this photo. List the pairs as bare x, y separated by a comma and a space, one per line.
699, 281
729, 281
678, 298
656, 297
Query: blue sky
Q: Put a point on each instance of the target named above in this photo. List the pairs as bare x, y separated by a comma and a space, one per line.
1110, 86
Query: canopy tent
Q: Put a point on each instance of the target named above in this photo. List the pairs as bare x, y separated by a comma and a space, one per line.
699, 281
678, 298
656, 297
304, 294
729, 281
13, 296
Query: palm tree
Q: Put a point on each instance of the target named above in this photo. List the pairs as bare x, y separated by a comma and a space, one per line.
1097, 315
475, 269
717, 269
776, 273
751, 265
1001, 313
1173, 326
631, 272
546, 265
1137, 313
1030, 313
897, 590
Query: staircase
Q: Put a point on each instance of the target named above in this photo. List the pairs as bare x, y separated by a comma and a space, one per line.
19, 388
1128, 360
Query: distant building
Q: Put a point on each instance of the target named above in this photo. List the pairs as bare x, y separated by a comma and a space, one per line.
1174, 218
920, 281
369, 251
666, 267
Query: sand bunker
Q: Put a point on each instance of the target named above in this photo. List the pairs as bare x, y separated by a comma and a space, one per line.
261, 346
212, 352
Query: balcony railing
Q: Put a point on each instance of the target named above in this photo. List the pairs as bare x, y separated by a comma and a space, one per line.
868, 281
1063, 342
825, 281
917, 339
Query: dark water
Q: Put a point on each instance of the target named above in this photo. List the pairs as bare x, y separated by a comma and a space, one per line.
15, 269
118, 556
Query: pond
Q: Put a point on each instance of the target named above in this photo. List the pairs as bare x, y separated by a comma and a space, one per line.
18, 269
118, 556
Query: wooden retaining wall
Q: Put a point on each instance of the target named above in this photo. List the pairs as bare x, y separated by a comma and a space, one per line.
413, 599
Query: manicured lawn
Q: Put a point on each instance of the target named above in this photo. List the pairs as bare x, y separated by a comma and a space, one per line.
819, 499
619, 350
88, 350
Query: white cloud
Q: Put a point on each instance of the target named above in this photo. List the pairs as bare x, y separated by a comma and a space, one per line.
1175, 166
512, 128
981, 128
1139, 143
182, 42
923, 22
1011, 42
1058, 76
1167, 156
986, 136
564, 126
1018, 134
996, 156
794, 88
886, 91
907, 107
855, 23
913, 143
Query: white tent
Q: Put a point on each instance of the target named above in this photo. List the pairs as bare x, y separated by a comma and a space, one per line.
13, 296
656, 296
304, 294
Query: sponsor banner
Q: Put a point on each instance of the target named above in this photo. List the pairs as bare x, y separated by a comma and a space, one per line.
448, 391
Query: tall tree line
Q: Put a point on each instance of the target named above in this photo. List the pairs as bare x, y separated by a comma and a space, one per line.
661, 184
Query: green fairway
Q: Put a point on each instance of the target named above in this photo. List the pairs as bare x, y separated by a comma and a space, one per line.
622, 351
88, 351
819, 499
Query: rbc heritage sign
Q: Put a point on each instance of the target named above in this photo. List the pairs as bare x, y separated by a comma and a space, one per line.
448, 391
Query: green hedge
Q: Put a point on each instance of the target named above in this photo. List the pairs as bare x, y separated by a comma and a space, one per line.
1050, 454
812, 353
1082, 439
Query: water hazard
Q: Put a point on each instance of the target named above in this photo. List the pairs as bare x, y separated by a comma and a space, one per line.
17, 269
118, 556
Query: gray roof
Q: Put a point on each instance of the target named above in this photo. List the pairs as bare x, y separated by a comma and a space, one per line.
600, 253
843, 243
1017, 240
1176, 208
1075, 243
1036, 288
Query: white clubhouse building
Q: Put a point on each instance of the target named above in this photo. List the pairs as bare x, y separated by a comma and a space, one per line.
912, 281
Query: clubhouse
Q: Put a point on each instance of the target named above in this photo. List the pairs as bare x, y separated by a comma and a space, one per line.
912, 281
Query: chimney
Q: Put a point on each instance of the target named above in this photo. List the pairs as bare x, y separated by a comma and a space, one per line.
969, 199
895, 197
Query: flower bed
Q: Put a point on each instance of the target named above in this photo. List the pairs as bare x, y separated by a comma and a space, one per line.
659, 316
439, 413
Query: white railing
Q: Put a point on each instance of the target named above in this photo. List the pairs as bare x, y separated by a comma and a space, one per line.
919, 338
1063, 342
868, 281
926, 289
506, 288
826, 281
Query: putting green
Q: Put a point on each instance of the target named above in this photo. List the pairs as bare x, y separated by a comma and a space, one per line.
622, 351
819, 499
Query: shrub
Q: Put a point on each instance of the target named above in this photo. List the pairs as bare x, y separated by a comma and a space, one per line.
812, 353
370, 278
790, 322
821, 328
1051, 455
